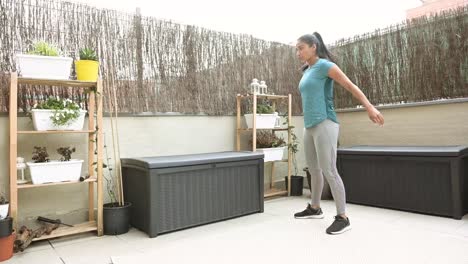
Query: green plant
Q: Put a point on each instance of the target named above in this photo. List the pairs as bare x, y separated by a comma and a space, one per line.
88, 54
40, 154
265, 108
3, 198
65, 110
44, 49
108, 177
111, 185
293, 145
66, 153
268, 139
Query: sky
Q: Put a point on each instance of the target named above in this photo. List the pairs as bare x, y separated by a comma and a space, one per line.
281, 20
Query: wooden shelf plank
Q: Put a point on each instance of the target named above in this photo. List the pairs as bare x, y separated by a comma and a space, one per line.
274, 192
67, 83
66, 230
274, 129
56, 131
285, 160
266, 96
30, 185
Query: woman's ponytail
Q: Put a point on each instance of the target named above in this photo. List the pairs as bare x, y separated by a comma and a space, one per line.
322, 50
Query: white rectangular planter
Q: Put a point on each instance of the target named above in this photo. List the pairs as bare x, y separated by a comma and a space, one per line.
263, 120
272, 154
55, 171
42, 120
44, 67
4, 210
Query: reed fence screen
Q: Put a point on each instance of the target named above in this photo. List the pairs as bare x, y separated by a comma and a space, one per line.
159, 66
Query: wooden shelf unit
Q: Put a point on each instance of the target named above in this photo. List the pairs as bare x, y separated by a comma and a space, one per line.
272, 191
95, 180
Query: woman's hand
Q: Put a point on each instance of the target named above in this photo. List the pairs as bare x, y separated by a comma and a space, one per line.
375, 115
336, 74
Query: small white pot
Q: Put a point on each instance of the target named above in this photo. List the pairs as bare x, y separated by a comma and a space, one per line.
55, 171
4, 210
272, 154
42, 120
44, 67
263, 120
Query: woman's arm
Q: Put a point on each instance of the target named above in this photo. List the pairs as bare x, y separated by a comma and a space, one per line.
336, 74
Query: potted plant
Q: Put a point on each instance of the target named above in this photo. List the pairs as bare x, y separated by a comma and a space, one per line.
57, 114
7, 235
43, 61
116, 212
7, 242
297, 181
87, 67
266, 117
270, 145
44, 170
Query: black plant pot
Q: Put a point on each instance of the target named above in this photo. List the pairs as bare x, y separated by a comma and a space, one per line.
297, 183
6, 227
116, 218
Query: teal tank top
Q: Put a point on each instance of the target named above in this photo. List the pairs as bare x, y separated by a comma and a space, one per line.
317, 94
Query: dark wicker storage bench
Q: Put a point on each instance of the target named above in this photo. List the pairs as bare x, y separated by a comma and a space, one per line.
430, 180
174, 192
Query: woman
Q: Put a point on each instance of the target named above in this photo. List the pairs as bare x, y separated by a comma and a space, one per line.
321, 125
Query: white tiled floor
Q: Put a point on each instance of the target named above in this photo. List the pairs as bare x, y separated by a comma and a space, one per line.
378, 236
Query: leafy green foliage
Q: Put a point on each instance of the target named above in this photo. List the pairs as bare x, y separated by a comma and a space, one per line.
65, 111
3, 198
268, 139
40, 155
293, 145
265, 109
66, 153
44, 49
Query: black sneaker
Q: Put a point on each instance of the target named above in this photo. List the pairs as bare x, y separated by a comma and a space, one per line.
340, 225
310, 212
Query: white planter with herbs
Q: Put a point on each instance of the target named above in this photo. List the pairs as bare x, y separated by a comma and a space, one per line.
263, 120
55, 171
272, 154
44, 67
43, 120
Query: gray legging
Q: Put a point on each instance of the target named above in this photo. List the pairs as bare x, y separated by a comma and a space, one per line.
320, 152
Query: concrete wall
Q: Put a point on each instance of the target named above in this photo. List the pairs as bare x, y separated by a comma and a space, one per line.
442, 124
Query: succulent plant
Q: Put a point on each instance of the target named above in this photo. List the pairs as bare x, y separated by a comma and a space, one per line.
88, 54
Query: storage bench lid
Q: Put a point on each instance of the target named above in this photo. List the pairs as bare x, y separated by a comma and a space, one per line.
427, 151
191, 159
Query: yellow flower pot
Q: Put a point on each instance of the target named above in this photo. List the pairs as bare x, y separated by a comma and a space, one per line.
87, 70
